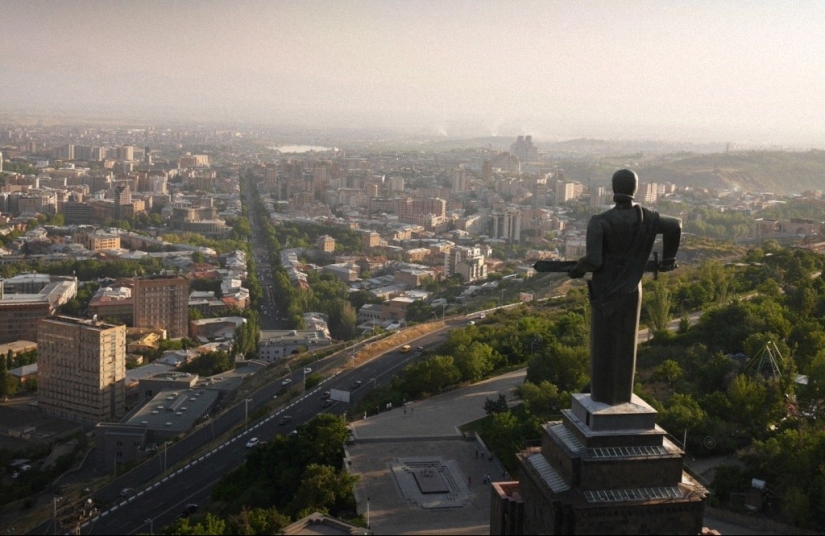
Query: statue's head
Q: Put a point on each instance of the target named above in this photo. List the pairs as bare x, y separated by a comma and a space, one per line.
625, 183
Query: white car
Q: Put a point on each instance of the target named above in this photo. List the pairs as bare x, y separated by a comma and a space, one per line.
308, 370
286, 381
252, 442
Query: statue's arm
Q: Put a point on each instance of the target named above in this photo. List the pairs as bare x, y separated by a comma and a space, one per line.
671, 231
592, 261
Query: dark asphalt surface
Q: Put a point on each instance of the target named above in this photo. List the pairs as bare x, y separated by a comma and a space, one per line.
163, 499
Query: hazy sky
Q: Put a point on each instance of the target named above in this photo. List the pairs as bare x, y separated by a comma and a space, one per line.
737, 71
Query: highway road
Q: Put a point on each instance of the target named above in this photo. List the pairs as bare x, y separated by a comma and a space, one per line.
162, 500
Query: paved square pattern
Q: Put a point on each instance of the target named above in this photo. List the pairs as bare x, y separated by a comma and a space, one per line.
430, 482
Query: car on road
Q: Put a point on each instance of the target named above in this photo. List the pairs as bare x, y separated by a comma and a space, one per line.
326, 395
189, 509
405, 349
356, 384
286, 381
471, 323
285, 420
252, 442
327, 403
125, 491
419, 349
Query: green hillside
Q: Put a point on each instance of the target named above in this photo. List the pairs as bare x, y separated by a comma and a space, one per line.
780, 172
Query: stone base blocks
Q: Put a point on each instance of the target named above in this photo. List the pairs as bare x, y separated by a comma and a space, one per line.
608, 469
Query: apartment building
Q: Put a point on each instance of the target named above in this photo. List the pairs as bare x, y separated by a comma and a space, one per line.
81, 369
162, 301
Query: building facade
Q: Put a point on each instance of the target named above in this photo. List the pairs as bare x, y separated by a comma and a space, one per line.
163, 302
81, 369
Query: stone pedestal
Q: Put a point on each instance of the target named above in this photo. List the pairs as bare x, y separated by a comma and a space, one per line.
608, 470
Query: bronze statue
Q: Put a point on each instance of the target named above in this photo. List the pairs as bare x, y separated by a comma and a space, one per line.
619, 243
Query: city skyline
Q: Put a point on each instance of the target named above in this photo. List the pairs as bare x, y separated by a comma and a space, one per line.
698, 71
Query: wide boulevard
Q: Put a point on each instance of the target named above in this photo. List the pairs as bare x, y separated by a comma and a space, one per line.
156, 498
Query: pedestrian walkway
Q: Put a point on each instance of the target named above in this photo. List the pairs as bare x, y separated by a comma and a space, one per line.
390, 448
441, 415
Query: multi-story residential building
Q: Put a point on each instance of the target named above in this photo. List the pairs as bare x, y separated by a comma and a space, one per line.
194, 160
568, 190
113, 304
81, 369
507, 224
162, 301
21, 309
459, 179
126, 152
102, 241
468, 262
326, 244
524, 148
648, 192
278, 344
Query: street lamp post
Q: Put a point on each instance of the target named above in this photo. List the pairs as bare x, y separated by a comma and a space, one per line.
151, 525
54, 502
368, 512
246, 402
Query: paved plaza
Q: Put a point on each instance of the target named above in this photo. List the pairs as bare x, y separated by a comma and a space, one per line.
419, 472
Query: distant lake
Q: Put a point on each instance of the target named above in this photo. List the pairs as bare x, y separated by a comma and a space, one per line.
301, 148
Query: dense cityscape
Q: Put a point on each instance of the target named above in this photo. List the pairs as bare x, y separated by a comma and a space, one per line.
154, 299
410, 267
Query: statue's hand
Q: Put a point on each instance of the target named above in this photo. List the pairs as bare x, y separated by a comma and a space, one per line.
667, 265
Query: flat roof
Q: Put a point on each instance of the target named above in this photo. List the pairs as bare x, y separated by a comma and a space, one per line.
174, 410
17, 346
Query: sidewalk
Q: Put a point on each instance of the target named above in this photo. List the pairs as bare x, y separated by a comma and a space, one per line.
389, 445
441, 415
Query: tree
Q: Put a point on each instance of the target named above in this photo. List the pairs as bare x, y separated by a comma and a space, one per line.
474, 362
669, 371
258, 521
542, 400
4, 377
564, 366
747, 397
496, 406
211, 525
683, 413
658, 305
430, 376
323, 488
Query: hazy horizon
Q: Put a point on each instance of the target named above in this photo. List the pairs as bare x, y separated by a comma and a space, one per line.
693, 71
